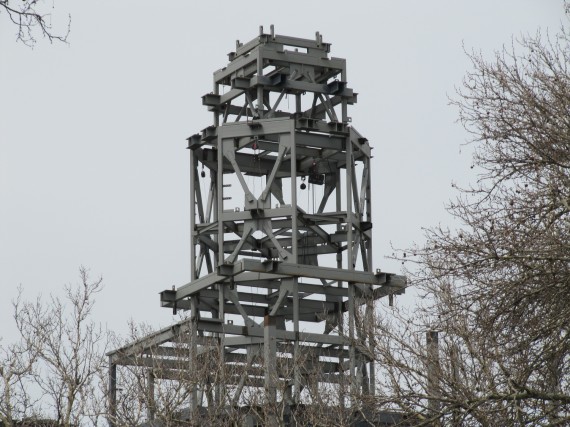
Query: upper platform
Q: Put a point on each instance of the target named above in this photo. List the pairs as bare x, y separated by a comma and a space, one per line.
265, 72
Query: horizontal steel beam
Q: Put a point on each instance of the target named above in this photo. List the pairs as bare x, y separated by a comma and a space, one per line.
301, 270
232, 272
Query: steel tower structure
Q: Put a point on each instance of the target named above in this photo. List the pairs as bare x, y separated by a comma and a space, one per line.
282, 274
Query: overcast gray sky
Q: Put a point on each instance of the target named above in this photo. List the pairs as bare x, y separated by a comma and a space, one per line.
93, 166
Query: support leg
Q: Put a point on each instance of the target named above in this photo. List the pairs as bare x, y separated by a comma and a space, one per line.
112, 394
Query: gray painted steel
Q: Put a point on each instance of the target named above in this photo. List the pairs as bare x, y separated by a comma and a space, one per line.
269, 279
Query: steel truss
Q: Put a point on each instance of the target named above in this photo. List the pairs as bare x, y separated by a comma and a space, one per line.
262, 295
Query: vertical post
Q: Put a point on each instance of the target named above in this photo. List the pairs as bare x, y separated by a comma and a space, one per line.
296, 346
220, 389
454, 358
370, 303
369, 326
112, 393
368, 204
350, 266
340, 314
363, 378
295, 249
151, 409
193, 276
271, 375
193, 355
432, 350
220, 197
349, 205
215, 112
193, 183
294, 223
351, 338
260, 87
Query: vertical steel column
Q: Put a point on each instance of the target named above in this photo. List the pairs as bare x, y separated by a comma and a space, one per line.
215, 112
372, 369
151, 408
259, 74
215, 195
294, 222
432, 350
112, 394
368, 204
193, 276
220, 197
340, 314
370, 303
220, 389
220, 241
270, 365
344, 104
350, 266
295, 234
193, 167
193, 356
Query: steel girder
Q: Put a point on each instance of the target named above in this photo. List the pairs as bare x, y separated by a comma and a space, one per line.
280, 287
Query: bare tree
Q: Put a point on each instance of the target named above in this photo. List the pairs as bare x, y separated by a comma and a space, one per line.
31, 18
66, 350
499, 285
17, 362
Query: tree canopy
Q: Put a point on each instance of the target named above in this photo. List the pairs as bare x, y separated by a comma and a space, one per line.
499, 284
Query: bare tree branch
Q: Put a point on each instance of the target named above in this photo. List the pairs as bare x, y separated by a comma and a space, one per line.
497, 287
30, 19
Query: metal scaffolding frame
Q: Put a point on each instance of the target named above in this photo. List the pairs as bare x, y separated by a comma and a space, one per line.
262, 292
